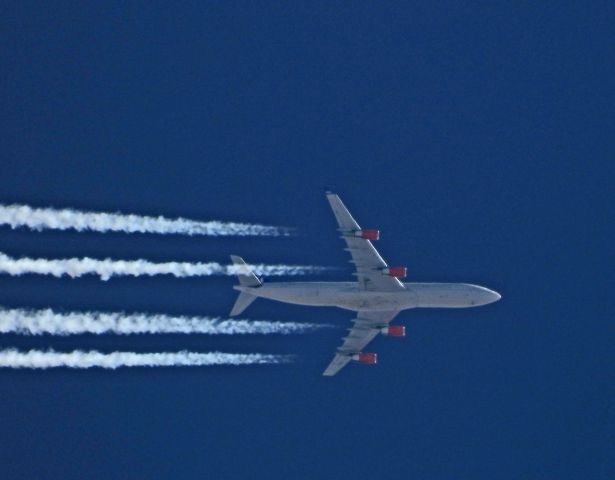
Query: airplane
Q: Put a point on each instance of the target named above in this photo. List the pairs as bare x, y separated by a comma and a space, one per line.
377, 296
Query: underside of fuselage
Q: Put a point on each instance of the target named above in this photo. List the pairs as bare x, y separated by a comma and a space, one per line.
349, 296
377, 295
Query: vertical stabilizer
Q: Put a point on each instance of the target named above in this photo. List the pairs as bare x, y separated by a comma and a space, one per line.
244, 274
246, 279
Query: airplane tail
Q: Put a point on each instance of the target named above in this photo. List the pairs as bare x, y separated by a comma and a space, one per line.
246, 279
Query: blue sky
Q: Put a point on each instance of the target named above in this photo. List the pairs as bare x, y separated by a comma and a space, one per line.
477, 137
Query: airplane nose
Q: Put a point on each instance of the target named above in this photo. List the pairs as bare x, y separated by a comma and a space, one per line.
483, 296
493, 296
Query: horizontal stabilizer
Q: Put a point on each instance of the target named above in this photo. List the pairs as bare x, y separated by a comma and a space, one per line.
243, 301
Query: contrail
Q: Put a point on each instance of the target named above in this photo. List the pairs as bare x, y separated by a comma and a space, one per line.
67, 219
38, 322
105, 269
39, 359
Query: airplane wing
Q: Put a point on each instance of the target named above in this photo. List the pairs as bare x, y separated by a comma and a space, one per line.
366, 326
368, 263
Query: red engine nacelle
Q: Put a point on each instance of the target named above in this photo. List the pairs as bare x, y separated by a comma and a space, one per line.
366, 358
368, 234
397, 272
394, 331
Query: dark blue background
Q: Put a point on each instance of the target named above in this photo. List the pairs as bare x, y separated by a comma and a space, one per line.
479, 139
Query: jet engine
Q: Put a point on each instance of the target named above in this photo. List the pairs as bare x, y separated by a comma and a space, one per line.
397, 272
394, 331
368, 234
366, 358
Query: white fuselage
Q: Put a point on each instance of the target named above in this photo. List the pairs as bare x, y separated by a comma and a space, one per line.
347, 295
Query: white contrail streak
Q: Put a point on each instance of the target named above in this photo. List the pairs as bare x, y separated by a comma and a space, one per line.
67, 219
105, 269
38, 322
39, 359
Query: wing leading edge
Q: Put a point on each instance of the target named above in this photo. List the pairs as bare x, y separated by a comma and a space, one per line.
366, 326
369, 271
367, 261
